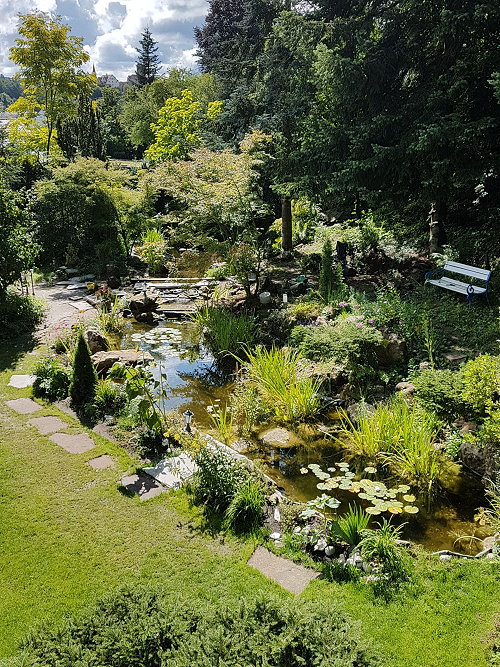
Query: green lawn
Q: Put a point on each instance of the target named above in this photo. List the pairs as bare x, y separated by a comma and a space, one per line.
68, 535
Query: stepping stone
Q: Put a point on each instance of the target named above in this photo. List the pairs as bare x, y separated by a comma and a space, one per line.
291, 577
24, 406
101, 462
173, 472
143, 485
21, 381
46, 425
81, 305
74, 443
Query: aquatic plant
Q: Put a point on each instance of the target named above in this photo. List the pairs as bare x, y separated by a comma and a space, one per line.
349, 526
275, 374
109, 317
224, 333
222, 420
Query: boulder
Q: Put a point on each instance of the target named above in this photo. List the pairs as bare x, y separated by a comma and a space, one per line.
103, 361
392, 351
406, 388
96, 340
279, 437
145, 302
474, 457
360, 409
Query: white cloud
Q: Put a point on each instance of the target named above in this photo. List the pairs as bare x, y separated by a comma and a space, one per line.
112, 29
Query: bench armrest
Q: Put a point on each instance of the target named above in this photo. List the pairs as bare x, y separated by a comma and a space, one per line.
435, 274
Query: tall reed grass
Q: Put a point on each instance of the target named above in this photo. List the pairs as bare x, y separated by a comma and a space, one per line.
224, 333
275, 374
402, 436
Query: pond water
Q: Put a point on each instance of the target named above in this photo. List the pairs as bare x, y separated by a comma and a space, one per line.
194, 382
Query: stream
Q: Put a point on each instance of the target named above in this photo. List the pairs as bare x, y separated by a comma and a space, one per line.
194, 382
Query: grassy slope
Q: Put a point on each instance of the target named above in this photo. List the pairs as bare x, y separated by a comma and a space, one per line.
67, 535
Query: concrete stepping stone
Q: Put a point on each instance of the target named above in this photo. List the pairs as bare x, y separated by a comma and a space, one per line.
24, 406
143, 485
74, 443
102, 462
21, 381
46, 425
173, 472
290, 576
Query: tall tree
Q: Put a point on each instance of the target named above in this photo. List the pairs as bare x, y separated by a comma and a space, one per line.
50, 60
148, 64
82, 134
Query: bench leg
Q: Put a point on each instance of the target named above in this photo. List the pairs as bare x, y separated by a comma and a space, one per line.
470, 298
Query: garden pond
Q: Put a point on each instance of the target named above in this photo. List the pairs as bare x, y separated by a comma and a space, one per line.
195, 382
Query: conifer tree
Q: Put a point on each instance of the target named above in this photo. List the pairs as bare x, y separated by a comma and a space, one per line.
148, 63
84, 382
326, 271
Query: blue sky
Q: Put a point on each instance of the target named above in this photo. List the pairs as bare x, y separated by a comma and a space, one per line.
112, 29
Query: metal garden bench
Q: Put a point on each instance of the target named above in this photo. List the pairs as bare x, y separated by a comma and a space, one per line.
441, 278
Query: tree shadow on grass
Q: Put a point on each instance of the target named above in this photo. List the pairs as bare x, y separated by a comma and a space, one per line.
12, 350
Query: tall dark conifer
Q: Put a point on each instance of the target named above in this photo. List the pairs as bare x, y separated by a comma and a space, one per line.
148, 63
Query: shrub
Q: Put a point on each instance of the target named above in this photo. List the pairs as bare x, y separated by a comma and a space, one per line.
481, 382
275, 329
247, 408
52, 380
341, 573
223, 332
153, 250
244, 513
275, 375
109, 317
217, 479
305, 311
441, 391
84, 382
19, 314
139, 627
391, 563
109, 399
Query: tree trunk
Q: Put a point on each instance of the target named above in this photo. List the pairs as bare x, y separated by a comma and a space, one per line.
286, 224
49, 136
433, 230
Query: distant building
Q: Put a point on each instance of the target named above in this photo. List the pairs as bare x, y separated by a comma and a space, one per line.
108, 80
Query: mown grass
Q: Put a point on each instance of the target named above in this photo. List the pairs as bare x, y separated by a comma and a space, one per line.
68, 535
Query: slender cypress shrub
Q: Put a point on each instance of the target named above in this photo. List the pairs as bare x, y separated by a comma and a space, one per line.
326, 271
84, 382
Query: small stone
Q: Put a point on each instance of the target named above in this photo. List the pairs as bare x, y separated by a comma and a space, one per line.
24, 406
406, 388
469, 427
330, 551
143, 485
360, 409
101, 462
96, 341
275, 536
21, 381
276, 436
275, 498
74, 443
445, 557
46, 425
321, 544
277, 515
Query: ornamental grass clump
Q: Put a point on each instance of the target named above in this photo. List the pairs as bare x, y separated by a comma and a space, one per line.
245, 511
275, 374
224, 333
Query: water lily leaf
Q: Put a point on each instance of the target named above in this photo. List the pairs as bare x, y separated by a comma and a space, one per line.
366, 482
332, 469
364, 496
409, 498
410, 509
370, 469
344, 487
354, 489
350, 474
372, 510
395, 510
403, 488
322, 486
304, 471
313, 466
321, 475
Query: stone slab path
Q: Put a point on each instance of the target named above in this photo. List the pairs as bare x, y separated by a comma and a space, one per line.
102, 462
46, 425
24, 406
173, 472
21, 381
76, 443
290, 576
143, 485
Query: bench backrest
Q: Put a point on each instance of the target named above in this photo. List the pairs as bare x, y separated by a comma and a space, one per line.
465, 270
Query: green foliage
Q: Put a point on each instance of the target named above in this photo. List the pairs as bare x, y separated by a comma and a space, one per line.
176, 131
391, 563
275, 329
244, 259
148, 64
109, 317
245, 511
349, 526
82, 134
331, 278
223, 332
247, 408
341, 573
153, 250
481, 382
217, 479
441, 391
84, 378
49, 58
140, 627
275, 374
19, 314
222, 420
110, 399
18, 250
52, 380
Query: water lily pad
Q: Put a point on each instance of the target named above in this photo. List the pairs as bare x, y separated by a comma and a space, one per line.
410, 509
373, 510
366, 482
370, 469
409, 498
354, 489
403, 488
304, 471
344, 487
395, 510
350, 474
364, 496
322, 486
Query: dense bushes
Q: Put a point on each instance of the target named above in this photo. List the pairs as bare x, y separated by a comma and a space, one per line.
19, 314
440, 391
141, 628
52, 380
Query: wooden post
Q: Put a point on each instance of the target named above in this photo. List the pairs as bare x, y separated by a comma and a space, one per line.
433, 230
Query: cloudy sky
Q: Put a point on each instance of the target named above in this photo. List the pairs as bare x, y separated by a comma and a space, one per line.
112, 29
